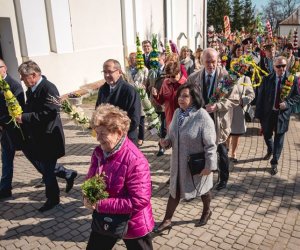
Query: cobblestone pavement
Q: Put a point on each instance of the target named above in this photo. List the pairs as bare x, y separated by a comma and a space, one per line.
256, 211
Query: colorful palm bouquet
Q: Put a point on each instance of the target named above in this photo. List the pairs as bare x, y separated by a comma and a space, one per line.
94, 189
76, 114
287, 86
151, 115
223, 89
13, 106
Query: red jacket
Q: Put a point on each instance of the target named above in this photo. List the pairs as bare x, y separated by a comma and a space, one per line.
128, 180
167, 97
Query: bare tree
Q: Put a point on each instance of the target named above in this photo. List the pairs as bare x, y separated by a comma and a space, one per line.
277, 10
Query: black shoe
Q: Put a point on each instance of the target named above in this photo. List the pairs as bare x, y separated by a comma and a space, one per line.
234, 160
70, 181
160, 152
274, 169
267, 156
48, 205
5, 194
221, 185
164, 226
204, 219
40, 184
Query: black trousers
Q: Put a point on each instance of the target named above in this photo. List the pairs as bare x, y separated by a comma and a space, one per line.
275, 146
163, 129
141, 134
99, 241
47, 169
224, 162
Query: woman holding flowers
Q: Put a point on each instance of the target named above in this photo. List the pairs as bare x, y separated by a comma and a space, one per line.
127, 178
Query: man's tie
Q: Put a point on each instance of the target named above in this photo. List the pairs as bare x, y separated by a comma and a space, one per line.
208, 87
277, 98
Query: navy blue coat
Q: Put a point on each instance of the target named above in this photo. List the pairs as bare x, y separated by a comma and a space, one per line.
126, 98
42, 123
265, 102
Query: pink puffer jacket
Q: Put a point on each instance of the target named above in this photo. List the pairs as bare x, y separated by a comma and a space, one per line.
129, 186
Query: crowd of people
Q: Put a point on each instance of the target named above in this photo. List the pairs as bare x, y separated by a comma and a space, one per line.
201, 100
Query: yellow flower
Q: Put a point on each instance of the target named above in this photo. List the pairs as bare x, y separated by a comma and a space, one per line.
291, 78
8, 94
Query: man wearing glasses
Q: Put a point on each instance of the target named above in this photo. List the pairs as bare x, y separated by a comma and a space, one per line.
118, 92
273, 108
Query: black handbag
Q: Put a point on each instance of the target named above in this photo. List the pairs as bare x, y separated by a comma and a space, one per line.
196, 163
113, 225
249, 114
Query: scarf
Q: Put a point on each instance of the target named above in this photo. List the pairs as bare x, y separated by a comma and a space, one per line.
183, 114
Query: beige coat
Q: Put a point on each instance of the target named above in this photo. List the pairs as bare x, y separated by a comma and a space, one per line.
247, 94
223, 115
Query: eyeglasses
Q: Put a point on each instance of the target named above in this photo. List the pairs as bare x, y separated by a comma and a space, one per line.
108, 72
280, 66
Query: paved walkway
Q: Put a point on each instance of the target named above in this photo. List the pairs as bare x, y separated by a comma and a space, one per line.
256, 211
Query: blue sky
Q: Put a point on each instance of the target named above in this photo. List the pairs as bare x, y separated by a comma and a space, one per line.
259, 4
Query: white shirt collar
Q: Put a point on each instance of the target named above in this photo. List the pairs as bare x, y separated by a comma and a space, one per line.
36, 85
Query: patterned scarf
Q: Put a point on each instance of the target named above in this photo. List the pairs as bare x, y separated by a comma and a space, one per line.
183, 114
116, 148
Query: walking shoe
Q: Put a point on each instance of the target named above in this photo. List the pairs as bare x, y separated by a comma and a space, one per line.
221, 185
48, 205
70, 181
274, 169
5, 194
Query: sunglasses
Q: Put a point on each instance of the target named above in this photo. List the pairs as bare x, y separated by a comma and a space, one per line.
280, 66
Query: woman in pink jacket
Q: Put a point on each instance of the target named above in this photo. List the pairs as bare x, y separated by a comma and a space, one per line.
127, 176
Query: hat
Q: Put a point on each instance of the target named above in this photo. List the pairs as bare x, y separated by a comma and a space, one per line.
268, 46
247, 41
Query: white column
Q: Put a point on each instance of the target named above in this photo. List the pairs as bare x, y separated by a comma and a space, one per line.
169, 18
33, 30
128, 26
204, 23
190, 33
59, 24
139, 21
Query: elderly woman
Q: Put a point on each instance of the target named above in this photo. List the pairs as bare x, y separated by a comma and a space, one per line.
167, 93
186, 60
191, 131
127, 177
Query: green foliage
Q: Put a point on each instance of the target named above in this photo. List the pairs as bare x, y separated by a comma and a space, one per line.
248, 19
216, 10
236, 15
94, 189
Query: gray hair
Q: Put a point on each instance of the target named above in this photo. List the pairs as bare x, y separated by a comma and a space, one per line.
29, 67
116, 63
208, 52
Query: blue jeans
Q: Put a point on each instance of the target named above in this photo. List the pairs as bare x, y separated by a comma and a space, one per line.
7, 156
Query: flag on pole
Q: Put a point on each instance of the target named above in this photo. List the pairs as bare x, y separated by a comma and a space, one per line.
295, 40
227, 26
269, 28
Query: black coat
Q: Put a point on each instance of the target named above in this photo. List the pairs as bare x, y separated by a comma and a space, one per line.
11, 134
42, 124
125, 97
265, 102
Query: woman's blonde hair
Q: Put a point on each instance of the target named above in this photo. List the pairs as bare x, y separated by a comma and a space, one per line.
111, 117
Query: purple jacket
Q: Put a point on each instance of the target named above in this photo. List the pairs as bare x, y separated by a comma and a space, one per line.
129, 186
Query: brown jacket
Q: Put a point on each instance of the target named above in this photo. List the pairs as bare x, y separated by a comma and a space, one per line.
223, 115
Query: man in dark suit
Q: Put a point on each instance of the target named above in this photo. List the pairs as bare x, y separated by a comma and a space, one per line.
119, 93
42, 126
11, 138
147, 48
274, 110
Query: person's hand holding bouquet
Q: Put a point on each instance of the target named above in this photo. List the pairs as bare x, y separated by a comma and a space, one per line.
94, 189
